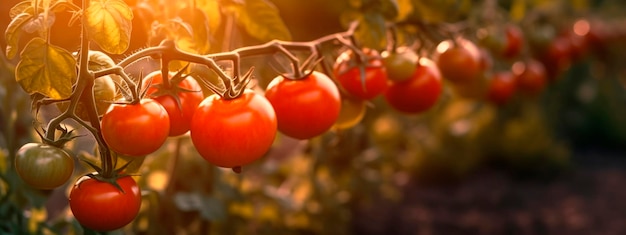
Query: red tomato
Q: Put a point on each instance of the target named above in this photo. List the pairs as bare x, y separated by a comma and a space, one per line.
100, 206
557, 56
459, 61
305, 107
135, 129
233, 132
501, 88
530, 76
514, 41
420, 92
180, 116
348, 74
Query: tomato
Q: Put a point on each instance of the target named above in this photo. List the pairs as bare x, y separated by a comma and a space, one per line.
180, 116
556, 57
233, 132
135, 129
348, 74
43, 166
514, 41
400, 65
501, 87
351, 113
419, 93
305, 107
100, 206
459, 61
530, 76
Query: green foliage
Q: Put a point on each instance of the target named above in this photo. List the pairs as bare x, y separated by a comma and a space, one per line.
259, 18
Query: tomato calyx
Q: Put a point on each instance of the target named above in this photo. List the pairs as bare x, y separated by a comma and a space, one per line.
173, 90
112, 179
65, 137
232, 88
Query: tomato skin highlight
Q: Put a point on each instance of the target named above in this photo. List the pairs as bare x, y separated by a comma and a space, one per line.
135, 129
419, 93
234, 132
43, 166
305, 107
180, 117
100, 206
348, 74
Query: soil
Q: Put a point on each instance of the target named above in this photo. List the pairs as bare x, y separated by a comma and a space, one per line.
589, 199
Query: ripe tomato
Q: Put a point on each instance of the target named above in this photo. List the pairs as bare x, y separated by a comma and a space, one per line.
459, 61
135, 129
180, 116
514, 41
233, 132
501, 88
43, 166
530, 76
100, 206
400, 65
348, 74
556, 57
352, 112
305, 107
418, 93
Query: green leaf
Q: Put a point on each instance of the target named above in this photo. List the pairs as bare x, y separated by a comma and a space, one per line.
109, 24
371, 32
198, 40
260, 18
388, 8
13, 31
46, 69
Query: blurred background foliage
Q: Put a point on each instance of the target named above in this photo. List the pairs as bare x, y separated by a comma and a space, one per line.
316, 186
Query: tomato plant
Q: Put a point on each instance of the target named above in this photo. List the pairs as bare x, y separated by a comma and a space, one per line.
420, 92
101, 206
459, 60
189, 95
349, 74
400, 64
43, 166
530, 76
233, 132
135, 129
305, 107
501, 87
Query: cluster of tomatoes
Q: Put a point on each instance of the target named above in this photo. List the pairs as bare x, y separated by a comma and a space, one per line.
299, 107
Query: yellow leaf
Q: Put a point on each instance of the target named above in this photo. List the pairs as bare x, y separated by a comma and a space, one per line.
13, 31
405, 8
518, 10
22, 7
212, 10
109, 24
46, 69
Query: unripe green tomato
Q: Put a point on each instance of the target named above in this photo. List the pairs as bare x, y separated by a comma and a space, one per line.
43, 166
400, 64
